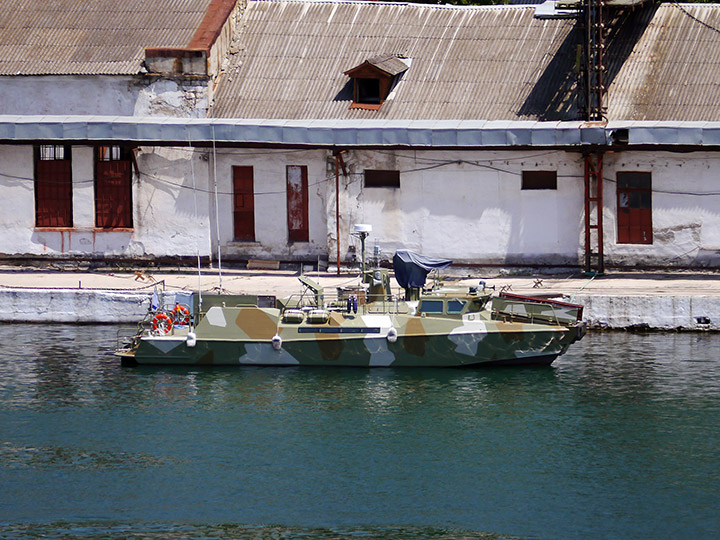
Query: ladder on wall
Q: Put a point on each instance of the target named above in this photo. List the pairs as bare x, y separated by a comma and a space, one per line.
594, 34
594, 263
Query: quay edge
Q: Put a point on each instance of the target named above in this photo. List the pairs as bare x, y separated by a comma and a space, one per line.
651, 312
602, 311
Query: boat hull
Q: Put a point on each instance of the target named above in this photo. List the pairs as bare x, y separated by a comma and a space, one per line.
511, 344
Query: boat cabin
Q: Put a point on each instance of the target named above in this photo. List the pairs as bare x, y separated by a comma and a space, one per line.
452, 303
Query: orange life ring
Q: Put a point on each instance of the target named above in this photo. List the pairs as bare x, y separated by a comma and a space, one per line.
181, 315
162, 323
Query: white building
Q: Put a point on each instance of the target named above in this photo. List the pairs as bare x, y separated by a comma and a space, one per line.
452, 130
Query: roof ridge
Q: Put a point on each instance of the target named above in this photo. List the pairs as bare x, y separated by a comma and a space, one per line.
477, 7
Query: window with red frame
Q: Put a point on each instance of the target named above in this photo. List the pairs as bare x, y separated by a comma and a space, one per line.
53, 186
113, 188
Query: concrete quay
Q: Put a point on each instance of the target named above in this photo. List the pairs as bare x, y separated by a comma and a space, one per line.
648, 300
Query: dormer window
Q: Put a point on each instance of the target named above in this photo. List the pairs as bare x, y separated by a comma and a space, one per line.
374, 79
367, 91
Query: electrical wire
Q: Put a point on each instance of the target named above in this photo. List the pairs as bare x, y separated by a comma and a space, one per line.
483, 164
693, 17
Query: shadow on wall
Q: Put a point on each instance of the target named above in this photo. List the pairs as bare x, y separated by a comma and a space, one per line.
557, 94
171, 174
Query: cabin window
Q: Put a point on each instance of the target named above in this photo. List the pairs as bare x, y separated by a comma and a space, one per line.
53, 186
539, 180
113, 187
431, 306
455, 306
382, 178
634, 202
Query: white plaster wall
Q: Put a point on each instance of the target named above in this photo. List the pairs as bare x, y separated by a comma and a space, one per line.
469, 206
83, 187
172, 98
164, 216
270, 190
103, 95
17, 217
67, 95
685, 209
171, 202
464, 205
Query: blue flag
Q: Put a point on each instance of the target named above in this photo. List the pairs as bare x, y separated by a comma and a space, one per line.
155, 303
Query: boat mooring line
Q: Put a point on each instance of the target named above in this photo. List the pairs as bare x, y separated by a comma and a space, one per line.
596, 274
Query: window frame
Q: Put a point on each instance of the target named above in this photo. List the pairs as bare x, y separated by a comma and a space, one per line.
381, 178
364, 75
53, 196
539, 180
243, 205
103, 156
634, 220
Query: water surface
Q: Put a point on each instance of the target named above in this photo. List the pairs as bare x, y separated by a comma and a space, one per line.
618, 439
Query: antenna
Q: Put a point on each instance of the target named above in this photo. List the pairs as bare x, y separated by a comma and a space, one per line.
197, 219
362, 231
217, 209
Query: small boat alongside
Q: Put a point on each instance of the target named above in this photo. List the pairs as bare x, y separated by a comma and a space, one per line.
364, 326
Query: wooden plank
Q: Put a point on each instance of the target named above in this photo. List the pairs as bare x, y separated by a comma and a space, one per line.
257, 264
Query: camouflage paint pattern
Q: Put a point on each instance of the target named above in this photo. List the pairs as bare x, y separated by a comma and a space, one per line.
251, 335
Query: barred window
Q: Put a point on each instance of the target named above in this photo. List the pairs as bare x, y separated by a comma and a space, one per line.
113, 188
53, 186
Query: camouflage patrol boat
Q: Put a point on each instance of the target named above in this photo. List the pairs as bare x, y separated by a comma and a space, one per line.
361, 326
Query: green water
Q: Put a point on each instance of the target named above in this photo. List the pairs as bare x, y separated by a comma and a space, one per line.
618, 439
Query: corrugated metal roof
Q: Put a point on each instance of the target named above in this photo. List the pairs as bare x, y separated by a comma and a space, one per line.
91, 37
667, 64
480, 62
484, 62
389, 64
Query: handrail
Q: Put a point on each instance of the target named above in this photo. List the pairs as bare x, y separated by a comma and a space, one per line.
334, 302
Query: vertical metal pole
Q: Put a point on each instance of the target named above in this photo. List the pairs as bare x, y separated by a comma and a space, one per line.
588, 247
217, 210
337, 209
588, 60
594, 57
599, 179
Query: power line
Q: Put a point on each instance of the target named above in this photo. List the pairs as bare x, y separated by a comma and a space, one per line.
693, 17
483, 164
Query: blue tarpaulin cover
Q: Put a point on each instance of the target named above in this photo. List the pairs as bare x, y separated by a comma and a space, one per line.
411, 268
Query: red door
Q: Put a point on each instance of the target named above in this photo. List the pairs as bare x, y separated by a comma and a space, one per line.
113, 195
297, 203
634, 192
53, 193
243, 203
